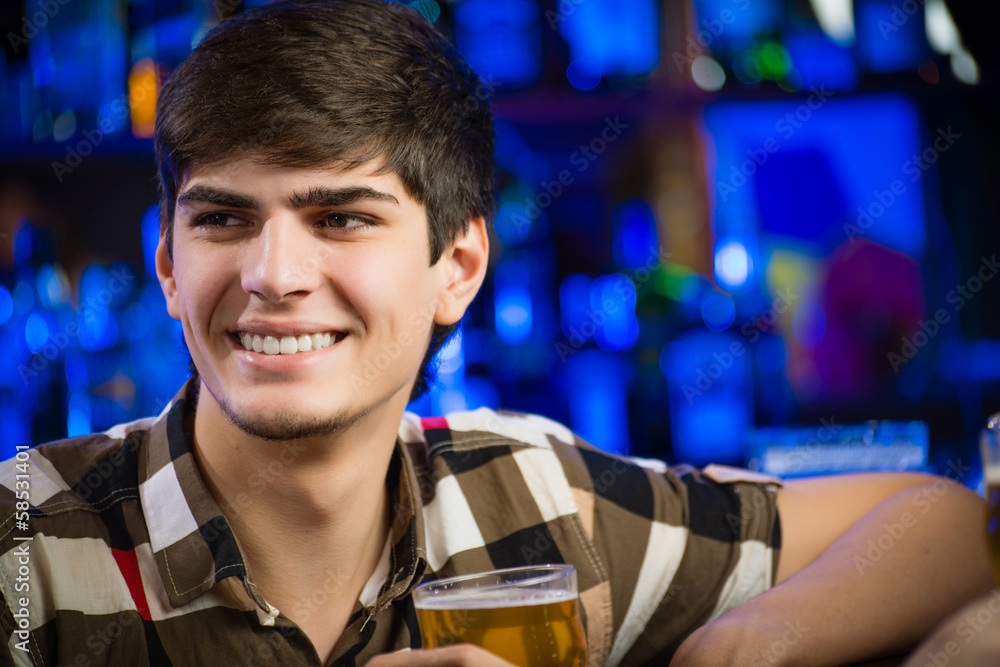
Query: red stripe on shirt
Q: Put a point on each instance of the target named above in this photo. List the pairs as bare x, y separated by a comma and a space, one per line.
433, 422
129, 566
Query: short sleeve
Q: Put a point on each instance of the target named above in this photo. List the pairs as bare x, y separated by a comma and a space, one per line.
682, 546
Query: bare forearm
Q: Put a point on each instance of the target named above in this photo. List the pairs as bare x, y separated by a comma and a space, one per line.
877, 590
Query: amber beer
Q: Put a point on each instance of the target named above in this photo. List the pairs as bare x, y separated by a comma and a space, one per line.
993, 521
532, 621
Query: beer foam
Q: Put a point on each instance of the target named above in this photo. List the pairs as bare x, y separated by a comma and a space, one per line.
992, 475
492, 598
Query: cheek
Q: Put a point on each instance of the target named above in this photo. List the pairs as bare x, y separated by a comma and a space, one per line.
395, 296
200, 287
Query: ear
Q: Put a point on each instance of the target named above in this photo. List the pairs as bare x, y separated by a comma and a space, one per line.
463, 265
165, 274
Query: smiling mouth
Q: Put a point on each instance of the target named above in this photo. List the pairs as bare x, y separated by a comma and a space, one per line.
286, 344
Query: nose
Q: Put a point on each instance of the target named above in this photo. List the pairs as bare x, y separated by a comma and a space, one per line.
283, 261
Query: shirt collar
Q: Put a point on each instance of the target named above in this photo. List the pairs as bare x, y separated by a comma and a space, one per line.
194, 545
408, 553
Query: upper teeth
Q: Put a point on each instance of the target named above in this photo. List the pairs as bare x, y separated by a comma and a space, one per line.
285, 344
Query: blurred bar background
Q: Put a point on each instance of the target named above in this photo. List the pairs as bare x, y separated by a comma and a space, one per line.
760, 232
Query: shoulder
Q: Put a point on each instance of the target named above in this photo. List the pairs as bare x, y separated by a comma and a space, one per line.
485, 426
541, 449
65, 466
61, 483
476, 436
61, 508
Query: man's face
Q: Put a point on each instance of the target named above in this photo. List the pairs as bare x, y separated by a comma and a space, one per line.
324, 274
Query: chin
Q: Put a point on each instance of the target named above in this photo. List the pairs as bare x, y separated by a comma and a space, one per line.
285, 426
290, 419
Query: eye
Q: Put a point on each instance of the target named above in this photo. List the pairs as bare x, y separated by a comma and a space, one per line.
217, 220
335, 220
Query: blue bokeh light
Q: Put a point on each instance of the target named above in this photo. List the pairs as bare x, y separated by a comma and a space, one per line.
36, 332
512, 222
150, 228
612, 303
583, 76
50, 288
77, 377
6, 304
24, 245
608, 37
24, 297
886, 43
822, 62
501, 41
719, 22
513, 314
708, 381
635, 242
595, 382
78, 418
770, 351
718, 311
574, 304
814, 178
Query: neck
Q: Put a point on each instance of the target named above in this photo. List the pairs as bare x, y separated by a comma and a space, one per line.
307, 513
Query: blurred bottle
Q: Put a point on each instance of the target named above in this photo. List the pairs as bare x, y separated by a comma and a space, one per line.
989, 447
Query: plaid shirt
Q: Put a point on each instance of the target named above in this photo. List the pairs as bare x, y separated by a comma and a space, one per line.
123, 556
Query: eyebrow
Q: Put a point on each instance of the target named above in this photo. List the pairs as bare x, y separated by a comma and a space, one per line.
314, 197
209, 195
321, 196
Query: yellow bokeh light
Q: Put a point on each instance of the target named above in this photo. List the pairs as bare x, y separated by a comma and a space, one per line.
143, 86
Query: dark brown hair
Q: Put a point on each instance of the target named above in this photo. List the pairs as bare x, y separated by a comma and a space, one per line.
306, 84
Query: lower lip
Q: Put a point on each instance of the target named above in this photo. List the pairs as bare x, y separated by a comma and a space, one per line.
281, 362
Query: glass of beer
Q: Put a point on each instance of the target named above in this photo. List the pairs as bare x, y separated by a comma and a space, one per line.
528, 616
989, 447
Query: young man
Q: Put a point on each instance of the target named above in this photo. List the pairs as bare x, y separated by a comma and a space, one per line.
327, 179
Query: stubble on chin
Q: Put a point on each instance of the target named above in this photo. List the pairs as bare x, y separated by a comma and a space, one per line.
291, 427
288, 426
